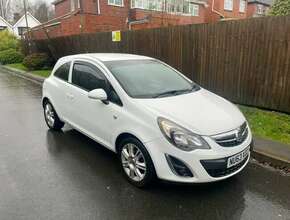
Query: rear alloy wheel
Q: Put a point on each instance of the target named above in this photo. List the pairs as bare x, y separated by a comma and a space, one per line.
51, 118
136, 163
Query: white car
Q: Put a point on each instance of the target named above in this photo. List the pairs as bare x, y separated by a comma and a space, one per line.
160, 123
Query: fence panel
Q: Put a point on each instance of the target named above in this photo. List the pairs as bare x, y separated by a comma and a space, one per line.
246, 61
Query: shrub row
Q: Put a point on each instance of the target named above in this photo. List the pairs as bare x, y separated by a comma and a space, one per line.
10, 53
37, 61
10, 56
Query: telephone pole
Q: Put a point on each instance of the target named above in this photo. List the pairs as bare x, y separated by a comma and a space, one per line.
27, 26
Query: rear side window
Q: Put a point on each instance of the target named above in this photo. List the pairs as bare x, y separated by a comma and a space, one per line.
63, 71
88, 77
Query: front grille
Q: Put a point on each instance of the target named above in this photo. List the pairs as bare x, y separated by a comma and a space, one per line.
232, 138
217, 168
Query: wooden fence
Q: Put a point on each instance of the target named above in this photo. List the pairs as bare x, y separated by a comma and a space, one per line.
246, 61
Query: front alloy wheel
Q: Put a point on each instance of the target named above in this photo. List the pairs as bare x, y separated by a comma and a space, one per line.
133, 161
136, 162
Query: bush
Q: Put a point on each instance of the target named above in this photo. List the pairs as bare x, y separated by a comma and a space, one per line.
280, 7
10, 56
37, 61
8, 41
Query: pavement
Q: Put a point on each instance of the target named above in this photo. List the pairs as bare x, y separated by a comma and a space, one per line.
272, 152
65, 175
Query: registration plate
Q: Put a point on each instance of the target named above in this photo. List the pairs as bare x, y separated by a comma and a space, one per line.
238, 158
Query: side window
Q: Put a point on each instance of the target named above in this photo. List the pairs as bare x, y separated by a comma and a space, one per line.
88, 77
63, 71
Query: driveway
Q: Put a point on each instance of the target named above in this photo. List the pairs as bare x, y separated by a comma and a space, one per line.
50, 175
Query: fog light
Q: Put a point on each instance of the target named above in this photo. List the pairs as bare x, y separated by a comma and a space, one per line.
178, 167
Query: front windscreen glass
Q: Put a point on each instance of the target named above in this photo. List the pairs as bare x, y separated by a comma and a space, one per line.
149, 78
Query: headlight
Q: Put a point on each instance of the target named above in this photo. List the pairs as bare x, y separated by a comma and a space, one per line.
181, 137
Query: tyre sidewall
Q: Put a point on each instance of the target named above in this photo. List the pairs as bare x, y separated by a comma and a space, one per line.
150, 175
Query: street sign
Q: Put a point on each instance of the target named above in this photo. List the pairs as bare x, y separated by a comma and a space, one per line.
116, 36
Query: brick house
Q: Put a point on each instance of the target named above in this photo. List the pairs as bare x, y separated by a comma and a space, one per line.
89, 16
258, 8
226, 10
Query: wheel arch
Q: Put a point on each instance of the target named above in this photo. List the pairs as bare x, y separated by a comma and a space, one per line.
44, 100
123, 136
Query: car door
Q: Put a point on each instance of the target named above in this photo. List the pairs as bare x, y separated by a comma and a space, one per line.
93, 117
60, 88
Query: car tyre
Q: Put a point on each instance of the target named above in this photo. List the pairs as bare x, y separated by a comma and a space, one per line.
51, 118
136, 163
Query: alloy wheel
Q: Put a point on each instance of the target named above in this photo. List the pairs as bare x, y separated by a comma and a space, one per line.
49, 114
133, 162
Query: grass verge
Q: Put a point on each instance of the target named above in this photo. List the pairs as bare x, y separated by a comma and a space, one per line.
20, 66
268, 124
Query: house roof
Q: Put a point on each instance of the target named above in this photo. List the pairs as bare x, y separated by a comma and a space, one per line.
264, 2
23, 17
5, 22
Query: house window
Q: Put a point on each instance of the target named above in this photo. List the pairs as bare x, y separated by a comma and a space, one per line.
21, 31
156, 5
228, 5
175, 6
182, 7
260, 9
242, 6
116, 2
191, 9
74, 4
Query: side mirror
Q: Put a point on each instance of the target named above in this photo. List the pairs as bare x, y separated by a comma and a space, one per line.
98, 94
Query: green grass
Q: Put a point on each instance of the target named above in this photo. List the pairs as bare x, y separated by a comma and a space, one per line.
20, 66
268, 124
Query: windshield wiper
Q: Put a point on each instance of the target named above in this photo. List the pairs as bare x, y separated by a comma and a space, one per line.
178, 92
172, 92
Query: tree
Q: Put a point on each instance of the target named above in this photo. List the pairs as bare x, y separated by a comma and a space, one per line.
280, 7
4, 8
42, 11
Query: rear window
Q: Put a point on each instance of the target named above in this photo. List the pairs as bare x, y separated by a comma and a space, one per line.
63, 71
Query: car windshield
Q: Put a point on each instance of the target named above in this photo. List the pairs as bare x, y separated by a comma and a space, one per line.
149, 78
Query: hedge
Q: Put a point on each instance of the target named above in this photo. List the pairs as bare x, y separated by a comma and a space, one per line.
10, 56
37, 61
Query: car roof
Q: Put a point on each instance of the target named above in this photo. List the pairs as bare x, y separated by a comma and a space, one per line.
107, 56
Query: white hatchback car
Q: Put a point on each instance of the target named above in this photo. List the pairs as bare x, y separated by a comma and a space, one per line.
159, 122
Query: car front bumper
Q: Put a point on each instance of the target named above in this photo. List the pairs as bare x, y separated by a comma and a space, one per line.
205, 165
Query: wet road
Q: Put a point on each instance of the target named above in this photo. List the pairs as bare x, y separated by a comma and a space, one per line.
48, 175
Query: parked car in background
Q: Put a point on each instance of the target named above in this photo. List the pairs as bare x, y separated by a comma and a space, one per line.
160, 123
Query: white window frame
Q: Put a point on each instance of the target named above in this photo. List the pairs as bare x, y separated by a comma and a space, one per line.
194, 9
243, 6
170, 6
260, 10
74, 5
228, 5
113, 3
145, 4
